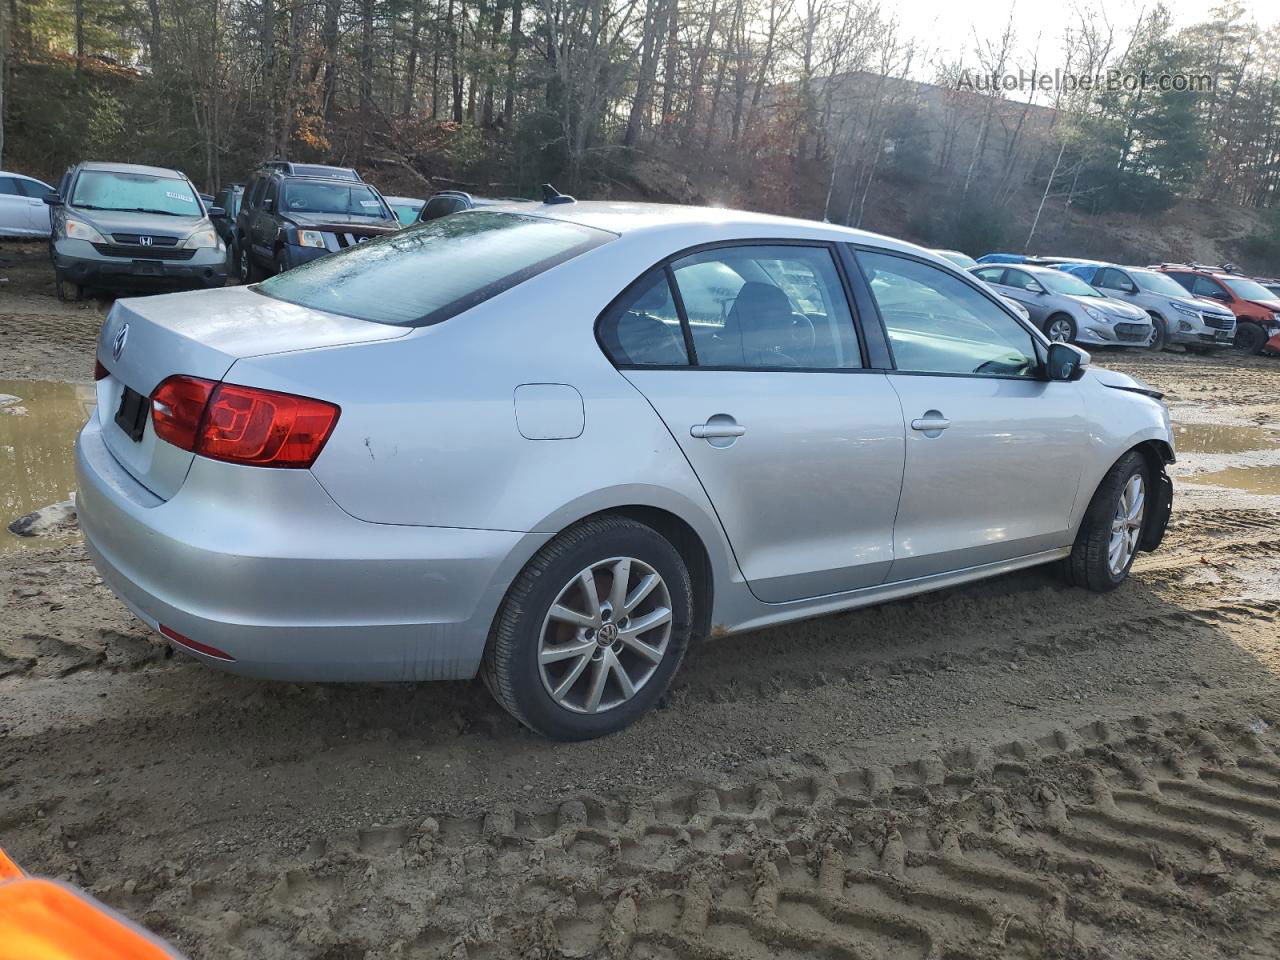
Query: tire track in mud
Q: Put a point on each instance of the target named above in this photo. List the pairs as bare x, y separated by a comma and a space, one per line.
1084, 843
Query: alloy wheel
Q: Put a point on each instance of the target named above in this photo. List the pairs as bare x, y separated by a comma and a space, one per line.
1126, 525
605, 635
1059, 330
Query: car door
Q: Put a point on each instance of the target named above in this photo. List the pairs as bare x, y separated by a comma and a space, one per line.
750, 355
37, 210
14, 218
264, 220
993, 451
1118, 284
1028, 291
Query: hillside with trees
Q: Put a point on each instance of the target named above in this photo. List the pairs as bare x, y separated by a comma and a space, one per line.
811, 107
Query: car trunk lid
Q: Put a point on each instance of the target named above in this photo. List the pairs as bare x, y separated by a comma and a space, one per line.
148, 339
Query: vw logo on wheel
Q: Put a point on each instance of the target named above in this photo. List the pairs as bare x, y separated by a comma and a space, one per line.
117, 346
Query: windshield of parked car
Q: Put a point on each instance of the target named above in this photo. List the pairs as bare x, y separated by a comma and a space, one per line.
1059, 282
135, 192
1247, 289
356, 199
1152, 282
406, 213
431, 272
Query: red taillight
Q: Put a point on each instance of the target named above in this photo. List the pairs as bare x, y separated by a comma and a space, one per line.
245, 425
177, 406
262, 427
198, 647
99, 371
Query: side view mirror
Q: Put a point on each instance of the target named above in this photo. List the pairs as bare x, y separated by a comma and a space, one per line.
53, 198
217, 211
1066, 362
1039, 290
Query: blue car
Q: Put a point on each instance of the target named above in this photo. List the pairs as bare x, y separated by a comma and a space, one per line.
1002, 258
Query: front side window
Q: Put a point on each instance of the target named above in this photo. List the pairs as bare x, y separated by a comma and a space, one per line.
765, 306
135, 192
642, 329
1021, 280
442, 206
1204, 287
34, 188
937, 323
1065, 283
9, 187
1113, 279
356, 199
428, 273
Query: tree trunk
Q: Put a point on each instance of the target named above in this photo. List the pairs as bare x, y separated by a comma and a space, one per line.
411, 66
329, 40
513, 56
155, 40
456, 25
366, 74
648, 70
673, 60
79, 16
267, 40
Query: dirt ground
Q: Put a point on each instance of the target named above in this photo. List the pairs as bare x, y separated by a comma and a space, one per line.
1010, 769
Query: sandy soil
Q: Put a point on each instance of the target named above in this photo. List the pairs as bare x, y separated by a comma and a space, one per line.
1012, 769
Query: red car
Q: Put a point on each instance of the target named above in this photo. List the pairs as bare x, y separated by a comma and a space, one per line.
1257, 308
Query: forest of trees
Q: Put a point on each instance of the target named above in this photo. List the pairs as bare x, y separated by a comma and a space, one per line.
803, 106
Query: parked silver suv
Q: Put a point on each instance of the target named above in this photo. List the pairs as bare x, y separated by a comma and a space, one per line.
1066, 308
124, 225
1177, 316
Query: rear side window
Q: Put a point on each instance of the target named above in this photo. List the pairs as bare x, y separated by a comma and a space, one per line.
9, 187
990, 274
433, 271
34, 188
642, 328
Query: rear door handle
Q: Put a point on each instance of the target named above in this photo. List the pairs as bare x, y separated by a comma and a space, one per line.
707, 431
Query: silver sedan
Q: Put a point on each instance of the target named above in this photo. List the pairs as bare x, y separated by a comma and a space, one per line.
554, 445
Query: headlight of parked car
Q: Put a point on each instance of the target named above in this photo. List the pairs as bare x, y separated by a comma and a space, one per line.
202, 238
1183, 308
79, 230
1096, 315
311, 238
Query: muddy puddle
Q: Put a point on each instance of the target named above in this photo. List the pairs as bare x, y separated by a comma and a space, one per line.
1254, 479
37, 448
1219, 438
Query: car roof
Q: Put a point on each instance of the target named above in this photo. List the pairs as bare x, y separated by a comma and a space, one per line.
132, 168
623, 218
15, 173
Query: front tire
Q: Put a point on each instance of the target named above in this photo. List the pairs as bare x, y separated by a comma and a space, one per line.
66, 291
1160, 336
1108, 539
1250, 337
591, 631
246, 266
1060, 328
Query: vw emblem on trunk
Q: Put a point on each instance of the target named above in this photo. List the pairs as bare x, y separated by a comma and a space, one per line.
144, 241
117, 346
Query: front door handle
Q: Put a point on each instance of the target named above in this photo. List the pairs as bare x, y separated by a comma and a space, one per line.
931, 424
710, 430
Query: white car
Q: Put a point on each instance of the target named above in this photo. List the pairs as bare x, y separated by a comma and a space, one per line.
22, 208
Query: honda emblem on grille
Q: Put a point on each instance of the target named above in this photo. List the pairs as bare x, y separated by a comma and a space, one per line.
117, 346
144, 241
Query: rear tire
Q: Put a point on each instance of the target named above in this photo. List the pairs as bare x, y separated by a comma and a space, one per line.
544, 669
1107, 541
1250, 337
246, 266
1060, 328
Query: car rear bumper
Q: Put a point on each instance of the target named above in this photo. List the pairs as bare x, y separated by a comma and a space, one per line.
263, 566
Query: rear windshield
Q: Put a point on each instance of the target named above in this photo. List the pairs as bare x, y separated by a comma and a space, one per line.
355, 200
135, 192
433, 271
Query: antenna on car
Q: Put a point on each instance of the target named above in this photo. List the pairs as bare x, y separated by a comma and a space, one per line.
551, 195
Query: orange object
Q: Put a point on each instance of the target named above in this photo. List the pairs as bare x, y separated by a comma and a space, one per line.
8, 869
43, 920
